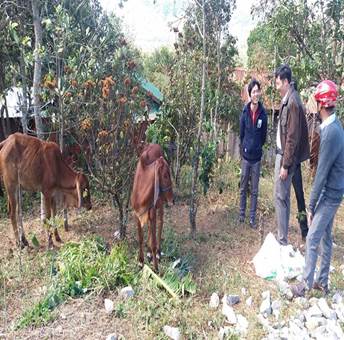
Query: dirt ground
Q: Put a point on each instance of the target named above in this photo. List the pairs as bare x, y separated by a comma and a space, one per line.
221, 257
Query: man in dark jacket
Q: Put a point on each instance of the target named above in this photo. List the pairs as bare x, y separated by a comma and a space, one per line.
292, 147
327, 192
253, 127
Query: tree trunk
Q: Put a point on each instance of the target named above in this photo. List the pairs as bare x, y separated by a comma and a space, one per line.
25, 92
37, 75
217, 95
195, 163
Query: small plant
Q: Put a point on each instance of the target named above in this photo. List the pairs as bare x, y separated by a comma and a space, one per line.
78, 269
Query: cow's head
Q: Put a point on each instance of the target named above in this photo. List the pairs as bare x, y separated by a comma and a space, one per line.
163, 182
83, 191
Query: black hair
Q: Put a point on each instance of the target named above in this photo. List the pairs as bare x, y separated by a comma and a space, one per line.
283, 72
252, 84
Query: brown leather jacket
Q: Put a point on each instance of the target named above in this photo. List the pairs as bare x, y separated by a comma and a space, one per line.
293, 130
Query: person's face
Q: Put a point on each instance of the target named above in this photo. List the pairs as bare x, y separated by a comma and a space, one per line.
282, 86
255, 94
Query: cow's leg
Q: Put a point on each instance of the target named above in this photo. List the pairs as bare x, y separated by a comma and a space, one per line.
47, 206
53, 214
12, 203
160, 225
149, 242
152, 222
140, 238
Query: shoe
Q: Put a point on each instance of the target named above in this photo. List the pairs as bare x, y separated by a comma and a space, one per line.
322, 288
253, 224
298, 290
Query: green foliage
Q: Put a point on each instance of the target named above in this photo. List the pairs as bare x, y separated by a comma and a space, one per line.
78, 269
208, 159
308, 35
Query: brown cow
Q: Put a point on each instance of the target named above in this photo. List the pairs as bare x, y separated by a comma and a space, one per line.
152, 187
38, 166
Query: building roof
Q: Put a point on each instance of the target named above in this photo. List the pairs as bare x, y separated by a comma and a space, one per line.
149, 87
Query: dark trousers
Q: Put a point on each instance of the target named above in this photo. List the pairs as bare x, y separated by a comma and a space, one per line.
301, 207
249, 171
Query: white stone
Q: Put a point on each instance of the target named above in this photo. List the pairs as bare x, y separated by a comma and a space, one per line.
127, 292
228, 312
266, 295
265, 307
314, 322
112, 337
108, 304
302, 302
339, 308
214, 301
243, 291
223, 332
313, 311
242, 325
337, 298
325, 309
249, 301
172, 332
264, 322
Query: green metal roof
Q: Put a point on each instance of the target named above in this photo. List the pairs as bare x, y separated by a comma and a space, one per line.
149, 87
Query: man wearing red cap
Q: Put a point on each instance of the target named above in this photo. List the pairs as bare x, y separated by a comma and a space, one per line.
327, 192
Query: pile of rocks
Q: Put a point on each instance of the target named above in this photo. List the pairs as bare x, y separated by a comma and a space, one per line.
314, 319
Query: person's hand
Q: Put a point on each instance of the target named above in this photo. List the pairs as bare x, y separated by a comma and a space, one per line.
309, 218
283, 174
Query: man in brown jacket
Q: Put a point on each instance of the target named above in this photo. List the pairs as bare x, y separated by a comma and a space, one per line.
292, 147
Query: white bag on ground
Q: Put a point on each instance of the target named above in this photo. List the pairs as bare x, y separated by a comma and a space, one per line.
274, 261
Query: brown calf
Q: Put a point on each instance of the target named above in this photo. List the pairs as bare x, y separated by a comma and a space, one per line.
152, 187
36, 165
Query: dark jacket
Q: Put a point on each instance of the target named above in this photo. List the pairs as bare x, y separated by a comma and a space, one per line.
293, 130
253, 137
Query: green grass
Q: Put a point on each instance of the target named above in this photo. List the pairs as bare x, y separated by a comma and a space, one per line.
80, 268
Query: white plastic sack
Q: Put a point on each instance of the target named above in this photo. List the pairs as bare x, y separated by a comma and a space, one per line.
274, 261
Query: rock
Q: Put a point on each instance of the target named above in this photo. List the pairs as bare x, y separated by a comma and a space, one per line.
264, 322
233, 299
325, 309
117, 235
214, 301
265, 307
249, 301
172, 332
337, 298
314, 311
228, 312
302, 302
242, 325
314, 322
58, 329
266, 295
284, 333
243, 291
313, 301
336, 328
224, 331
276, 305
108, 304
339, 308
127, 292
324, 332
112, 336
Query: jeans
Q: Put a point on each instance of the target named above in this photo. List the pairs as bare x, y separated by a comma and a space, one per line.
301, 207
249, 171
282, 200
320, 234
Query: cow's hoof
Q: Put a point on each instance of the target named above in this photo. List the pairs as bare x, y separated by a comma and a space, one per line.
58, 238
149, 256
141, 265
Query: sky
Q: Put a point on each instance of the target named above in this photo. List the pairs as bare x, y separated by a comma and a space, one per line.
148, 23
